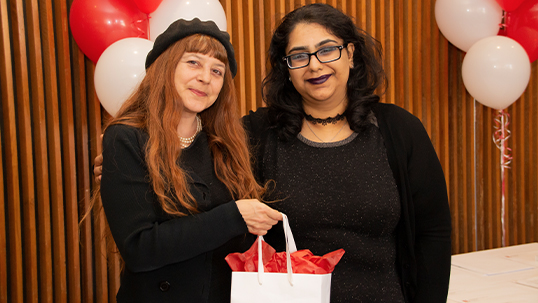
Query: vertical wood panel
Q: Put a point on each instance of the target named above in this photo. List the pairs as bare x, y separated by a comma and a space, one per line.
444, 87
380, 13
496, 186
523, 202
26, 152
6, 94
12, 195
478, 181
518, 182
489, 202
467, 162
251, 92
362, 14
55, 157
398, 71
416, 32
41, 154
371, 18
510, 209
99, 245
68, 150
51, 126
453, 152
3, 251
407, 41
431, 68
532, 219
260, 52
100, 254
83, 173
113, 270
426, 49
390, 52
239, 47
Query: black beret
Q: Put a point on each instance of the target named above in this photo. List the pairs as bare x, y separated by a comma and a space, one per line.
181, 28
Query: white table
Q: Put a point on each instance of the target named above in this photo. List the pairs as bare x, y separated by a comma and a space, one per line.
508, 274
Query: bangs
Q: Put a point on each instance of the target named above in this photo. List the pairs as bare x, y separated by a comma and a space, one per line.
206, 45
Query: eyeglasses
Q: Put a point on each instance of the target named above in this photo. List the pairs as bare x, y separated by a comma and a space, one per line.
324, 55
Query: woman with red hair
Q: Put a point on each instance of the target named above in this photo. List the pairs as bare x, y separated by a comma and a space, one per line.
178, 191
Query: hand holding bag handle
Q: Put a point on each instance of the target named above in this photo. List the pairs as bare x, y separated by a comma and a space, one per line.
290, 248
280, 287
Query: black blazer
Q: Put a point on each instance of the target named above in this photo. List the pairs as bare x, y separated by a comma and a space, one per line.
168, 259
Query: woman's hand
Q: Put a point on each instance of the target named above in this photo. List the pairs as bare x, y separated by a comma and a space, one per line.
98, 164
98, 168
258, 216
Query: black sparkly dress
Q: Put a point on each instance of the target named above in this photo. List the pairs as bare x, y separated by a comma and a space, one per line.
380, 195
342, 195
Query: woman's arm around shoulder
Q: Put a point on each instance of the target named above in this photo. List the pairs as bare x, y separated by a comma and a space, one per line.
255, 122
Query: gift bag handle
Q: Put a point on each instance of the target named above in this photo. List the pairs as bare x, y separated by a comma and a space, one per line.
290, 248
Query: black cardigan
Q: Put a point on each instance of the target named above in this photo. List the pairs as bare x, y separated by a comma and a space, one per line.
423, 233
167, 259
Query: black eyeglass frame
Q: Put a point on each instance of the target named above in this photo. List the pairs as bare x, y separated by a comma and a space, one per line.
340, 48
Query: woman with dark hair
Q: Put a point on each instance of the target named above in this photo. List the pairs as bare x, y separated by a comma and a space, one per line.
364, 78
350, 172
178, 191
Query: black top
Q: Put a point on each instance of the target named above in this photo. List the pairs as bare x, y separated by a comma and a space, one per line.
343, 195
423, 244
169, 259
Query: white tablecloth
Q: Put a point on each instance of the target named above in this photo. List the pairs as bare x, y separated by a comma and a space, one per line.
508, 274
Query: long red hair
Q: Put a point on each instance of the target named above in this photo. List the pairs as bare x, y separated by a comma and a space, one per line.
154, 108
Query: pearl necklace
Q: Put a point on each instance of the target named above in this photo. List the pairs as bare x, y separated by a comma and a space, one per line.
185, 142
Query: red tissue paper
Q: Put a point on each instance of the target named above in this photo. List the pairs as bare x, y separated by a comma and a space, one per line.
302, 261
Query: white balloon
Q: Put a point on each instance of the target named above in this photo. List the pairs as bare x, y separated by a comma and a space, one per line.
464, 22
119, 71
171, 10
496, 70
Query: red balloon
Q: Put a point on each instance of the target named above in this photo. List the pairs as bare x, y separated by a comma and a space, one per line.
522, 26
96, 24
510, 5
147, 6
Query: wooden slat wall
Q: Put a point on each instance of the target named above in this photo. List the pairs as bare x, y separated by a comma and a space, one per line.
51, 123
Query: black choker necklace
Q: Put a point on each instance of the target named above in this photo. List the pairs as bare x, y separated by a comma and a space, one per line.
325, 121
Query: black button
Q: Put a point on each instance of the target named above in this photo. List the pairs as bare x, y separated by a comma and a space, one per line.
164, 286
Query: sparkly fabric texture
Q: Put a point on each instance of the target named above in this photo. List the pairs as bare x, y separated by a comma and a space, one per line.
342, 195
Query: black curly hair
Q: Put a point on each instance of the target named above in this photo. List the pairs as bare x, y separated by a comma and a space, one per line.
284, 101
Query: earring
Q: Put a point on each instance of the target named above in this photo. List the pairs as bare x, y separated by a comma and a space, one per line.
289, 78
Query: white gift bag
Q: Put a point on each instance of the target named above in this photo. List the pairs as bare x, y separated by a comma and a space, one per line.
266, 287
